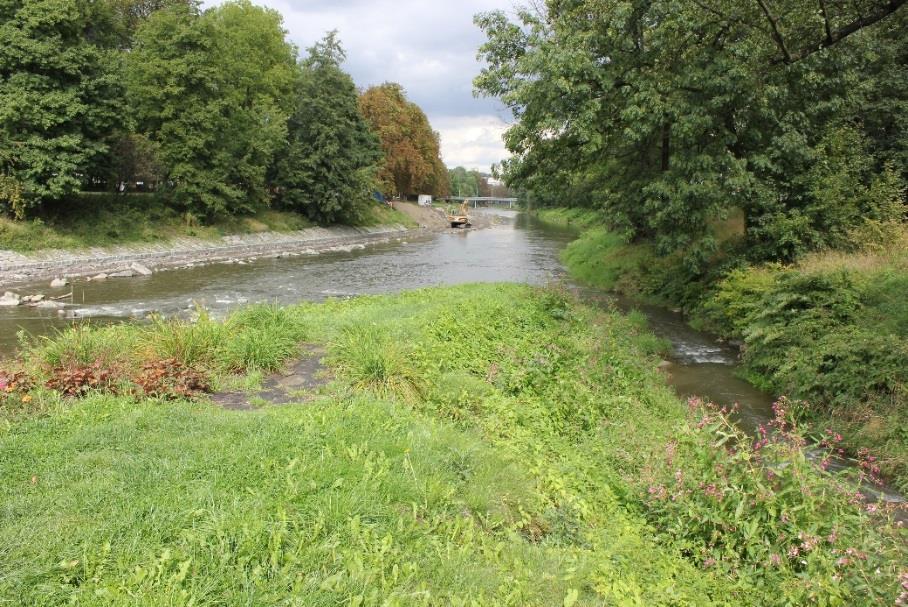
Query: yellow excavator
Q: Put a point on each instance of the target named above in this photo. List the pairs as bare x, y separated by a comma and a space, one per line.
460, 218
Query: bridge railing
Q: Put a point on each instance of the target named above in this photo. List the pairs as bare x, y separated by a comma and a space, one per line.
483, 199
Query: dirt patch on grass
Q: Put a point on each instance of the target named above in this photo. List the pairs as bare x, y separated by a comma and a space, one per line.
296, 384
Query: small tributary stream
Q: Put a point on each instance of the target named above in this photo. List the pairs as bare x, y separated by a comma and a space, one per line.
516, 249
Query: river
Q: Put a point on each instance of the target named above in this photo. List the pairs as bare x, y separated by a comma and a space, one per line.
516, 249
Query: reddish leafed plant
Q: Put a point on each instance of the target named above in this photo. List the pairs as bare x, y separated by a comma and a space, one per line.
77, 379
169, 378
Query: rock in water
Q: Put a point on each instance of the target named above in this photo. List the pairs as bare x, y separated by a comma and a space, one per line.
140, 269
58, 283
123, 274
10, 299
50, 305
101, 276
32, 299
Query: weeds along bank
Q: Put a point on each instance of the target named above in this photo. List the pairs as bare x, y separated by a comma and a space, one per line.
481, 444
830, 330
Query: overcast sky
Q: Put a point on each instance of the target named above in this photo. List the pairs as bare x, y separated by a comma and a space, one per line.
428, 46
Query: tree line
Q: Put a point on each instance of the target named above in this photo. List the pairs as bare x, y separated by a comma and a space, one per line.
673, 117
474, 183
216, 110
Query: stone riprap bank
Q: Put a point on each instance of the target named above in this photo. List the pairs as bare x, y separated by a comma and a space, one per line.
17, 268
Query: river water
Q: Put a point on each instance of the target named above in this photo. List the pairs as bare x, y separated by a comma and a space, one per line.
517, 248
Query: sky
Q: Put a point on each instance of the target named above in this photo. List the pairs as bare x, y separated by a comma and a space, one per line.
427, 46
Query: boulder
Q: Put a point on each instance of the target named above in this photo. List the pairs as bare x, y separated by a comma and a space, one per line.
58, 283
140, 269
101, 276
10, 299
128, 273
32, 299
50, 305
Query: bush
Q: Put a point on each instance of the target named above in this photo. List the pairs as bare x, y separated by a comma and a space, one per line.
765, 511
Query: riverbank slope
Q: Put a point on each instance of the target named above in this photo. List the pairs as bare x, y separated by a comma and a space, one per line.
22, 268
830, 330
490, 444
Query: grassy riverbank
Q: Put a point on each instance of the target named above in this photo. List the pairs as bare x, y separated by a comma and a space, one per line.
830, 330
483, 444
99, 220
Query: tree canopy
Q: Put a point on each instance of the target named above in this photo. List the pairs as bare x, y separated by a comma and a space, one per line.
670, 116
213, 109
412, 150
213, 92
327, 166
60, 98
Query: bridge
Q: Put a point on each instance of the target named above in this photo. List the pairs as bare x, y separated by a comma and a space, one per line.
484, 200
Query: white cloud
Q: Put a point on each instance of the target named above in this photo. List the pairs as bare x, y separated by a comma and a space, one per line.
429, 47
474, 142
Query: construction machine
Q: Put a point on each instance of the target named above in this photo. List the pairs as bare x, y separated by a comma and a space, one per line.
460, 218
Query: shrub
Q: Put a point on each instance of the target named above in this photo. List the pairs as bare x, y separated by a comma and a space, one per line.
765, 511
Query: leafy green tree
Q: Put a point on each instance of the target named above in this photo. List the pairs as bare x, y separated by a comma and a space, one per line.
212, 91
464, 182
60, 98
671, 115
327, 168
411, 148
130, 14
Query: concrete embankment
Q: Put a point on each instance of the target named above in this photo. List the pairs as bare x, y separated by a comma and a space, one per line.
16, 268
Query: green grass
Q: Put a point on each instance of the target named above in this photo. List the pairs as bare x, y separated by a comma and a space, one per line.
582, 219
384, 215
99, 220
480, 445
830, 330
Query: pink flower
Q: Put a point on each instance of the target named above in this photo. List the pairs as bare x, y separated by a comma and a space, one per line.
775, 559
658, 492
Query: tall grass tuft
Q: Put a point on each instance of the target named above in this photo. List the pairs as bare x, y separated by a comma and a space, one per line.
370, 359
262, 337
190, 343
81, 344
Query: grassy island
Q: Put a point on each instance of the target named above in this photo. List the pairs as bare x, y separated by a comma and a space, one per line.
476, 445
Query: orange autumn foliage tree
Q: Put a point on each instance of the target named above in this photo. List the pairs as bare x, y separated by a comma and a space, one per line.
412, 150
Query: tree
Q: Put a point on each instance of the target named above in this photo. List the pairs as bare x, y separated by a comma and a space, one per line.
327, 168
464, 182
60, 98
670, 115
411, 148
130, 14
213, 92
